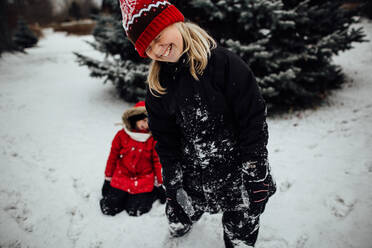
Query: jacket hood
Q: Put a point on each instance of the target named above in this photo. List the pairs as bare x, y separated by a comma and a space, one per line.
138, 109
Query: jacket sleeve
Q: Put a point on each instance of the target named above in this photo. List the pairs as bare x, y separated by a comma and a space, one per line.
166, 133
113, 156
249, 111
156, 164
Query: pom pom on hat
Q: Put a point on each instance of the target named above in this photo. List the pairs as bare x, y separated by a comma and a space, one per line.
140, 104
143, 20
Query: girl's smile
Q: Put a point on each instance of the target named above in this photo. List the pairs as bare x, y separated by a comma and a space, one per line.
167, 51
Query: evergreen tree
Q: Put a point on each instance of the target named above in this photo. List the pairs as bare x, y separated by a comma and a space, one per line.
23, 37
122, 65
289, 45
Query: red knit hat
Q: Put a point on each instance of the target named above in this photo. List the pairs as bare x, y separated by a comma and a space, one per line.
143, 20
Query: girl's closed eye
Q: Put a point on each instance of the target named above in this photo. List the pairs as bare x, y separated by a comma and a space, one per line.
157, 38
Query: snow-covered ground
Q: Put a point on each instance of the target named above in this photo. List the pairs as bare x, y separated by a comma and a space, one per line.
57, 124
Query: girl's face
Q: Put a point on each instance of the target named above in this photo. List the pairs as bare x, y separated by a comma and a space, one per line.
167, 46
142, 125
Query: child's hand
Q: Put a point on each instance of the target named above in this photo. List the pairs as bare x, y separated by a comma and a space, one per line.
160, 193
106, 188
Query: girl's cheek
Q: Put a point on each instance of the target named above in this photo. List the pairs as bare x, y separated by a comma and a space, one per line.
149, 54
151, 57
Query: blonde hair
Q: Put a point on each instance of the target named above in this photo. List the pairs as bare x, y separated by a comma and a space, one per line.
197, 44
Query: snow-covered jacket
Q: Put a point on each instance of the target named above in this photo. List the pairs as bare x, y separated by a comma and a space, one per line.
133, 163
211, 134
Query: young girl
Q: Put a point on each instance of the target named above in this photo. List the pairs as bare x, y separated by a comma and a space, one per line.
132, 168
209, 120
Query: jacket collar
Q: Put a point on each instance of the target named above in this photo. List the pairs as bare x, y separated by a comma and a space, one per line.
177, 66
140, 137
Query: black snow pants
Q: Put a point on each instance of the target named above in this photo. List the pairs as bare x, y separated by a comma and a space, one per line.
240, 228
118, 200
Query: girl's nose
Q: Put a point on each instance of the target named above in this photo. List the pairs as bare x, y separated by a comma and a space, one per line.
158, 50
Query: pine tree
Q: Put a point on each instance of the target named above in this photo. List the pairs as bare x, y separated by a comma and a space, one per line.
122, 65
289, 45
23, 37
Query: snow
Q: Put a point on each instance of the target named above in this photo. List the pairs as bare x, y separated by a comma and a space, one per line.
57, 124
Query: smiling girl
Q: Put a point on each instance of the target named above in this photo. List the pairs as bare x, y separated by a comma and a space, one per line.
208, 117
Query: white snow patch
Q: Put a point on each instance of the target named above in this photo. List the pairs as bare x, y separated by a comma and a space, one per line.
56, 128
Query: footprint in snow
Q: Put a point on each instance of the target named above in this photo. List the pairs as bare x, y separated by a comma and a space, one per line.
12, 244
76, 225
301, 241
18, 211
272, 243
79, 187
8, 146
50, 175
97, 244
285, 186
340, 207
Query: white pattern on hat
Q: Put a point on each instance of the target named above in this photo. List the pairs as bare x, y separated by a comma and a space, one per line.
127, 7
128, 19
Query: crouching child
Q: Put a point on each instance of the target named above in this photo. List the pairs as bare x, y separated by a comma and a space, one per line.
133, 178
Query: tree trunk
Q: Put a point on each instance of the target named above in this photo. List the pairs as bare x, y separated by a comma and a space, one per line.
6, 43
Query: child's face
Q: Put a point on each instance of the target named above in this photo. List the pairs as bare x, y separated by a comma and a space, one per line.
167, 46
142, 125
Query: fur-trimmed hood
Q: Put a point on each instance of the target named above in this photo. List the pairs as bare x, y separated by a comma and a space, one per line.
138, 109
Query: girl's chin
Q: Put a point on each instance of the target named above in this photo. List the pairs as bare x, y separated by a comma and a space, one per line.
173, 59
173, 55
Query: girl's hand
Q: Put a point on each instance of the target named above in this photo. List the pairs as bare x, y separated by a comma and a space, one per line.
258, 196
258, 192
180, 203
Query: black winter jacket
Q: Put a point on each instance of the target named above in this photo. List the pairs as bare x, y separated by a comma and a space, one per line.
211, 134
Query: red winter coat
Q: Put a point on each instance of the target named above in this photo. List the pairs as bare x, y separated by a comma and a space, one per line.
133, 165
